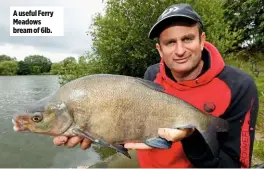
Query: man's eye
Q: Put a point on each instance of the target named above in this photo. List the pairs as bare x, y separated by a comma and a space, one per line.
187, 39
170, 42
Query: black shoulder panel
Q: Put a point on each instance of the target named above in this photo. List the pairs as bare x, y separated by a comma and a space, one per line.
237, 80
150, 73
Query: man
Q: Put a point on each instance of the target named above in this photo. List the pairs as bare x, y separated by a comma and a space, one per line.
192, 68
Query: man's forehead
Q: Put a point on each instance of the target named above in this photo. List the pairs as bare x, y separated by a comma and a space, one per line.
181, 27
179, 31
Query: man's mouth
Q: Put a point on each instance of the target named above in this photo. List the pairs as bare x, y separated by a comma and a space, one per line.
181, 60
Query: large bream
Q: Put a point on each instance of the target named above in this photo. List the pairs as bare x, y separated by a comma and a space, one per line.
113, 109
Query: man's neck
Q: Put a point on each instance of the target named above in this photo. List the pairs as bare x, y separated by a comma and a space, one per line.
189, 76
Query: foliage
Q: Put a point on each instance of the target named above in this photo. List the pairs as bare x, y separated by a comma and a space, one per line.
31, 65
6, 58
104, 152
216, 28
70, 68
259, 149
247, 18
55, 68
38, 64
120, 38
23, 68
35, 70
8, 67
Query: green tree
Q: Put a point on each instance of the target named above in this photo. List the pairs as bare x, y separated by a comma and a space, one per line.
6, 58
43, 64
120, 36
35, 70
8, 68
24, 68
70, 68
69, 60
247, 18
55, 68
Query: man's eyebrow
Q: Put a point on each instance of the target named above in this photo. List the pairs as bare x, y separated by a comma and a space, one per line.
190, 35
169, 39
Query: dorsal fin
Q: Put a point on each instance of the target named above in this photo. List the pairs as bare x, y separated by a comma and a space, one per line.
151, 85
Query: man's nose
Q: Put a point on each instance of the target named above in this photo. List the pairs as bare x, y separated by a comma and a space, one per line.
179, 50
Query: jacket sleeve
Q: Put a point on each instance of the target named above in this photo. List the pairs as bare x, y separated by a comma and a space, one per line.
236, 145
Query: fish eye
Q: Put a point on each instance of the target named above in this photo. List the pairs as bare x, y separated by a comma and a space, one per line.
37, 117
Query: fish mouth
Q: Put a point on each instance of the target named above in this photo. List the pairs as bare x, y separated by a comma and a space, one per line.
19, 126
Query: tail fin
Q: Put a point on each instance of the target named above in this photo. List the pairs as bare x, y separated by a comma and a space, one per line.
220, 125
216, 124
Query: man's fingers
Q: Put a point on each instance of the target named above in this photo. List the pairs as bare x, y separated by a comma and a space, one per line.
59, 140
136, 146
173, 134
73, 141
85, 144
168, 134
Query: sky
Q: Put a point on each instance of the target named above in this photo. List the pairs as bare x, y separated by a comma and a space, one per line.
77, 17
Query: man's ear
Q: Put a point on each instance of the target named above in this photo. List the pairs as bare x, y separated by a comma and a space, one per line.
203, 37
158, 47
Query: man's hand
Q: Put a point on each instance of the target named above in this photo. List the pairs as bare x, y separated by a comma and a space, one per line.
169, 134
173, 135
72, 142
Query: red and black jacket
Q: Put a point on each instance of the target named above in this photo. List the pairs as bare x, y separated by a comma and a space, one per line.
222, 91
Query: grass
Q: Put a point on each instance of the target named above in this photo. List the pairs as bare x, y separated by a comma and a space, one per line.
258, 149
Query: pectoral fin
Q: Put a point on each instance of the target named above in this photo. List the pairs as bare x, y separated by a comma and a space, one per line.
84, 134
159, 142
215, 126
101, 141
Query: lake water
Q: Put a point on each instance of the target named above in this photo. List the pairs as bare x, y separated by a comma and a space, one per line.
24, 150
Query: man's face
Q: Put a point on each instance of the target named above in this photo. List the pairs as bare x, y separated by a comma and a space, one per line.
180, 46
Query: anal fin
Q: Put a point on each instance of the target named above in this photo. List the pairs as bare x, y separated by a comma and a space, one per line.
84, 134
118, 148
216, 125
121, 149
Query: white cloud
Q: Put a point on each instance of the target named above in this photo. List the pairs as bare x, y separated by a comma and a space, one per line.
75, 42
21, 51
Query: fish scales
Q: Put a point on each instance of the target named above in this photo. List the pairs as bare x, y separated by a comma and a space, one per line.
143, 108
114, 109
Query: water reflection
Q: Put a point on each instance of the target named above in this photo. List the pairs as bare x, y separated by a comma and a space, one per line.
104, 152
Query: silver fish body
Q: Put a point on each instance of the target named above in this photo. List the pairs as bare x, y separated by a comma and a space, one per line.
113, 109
